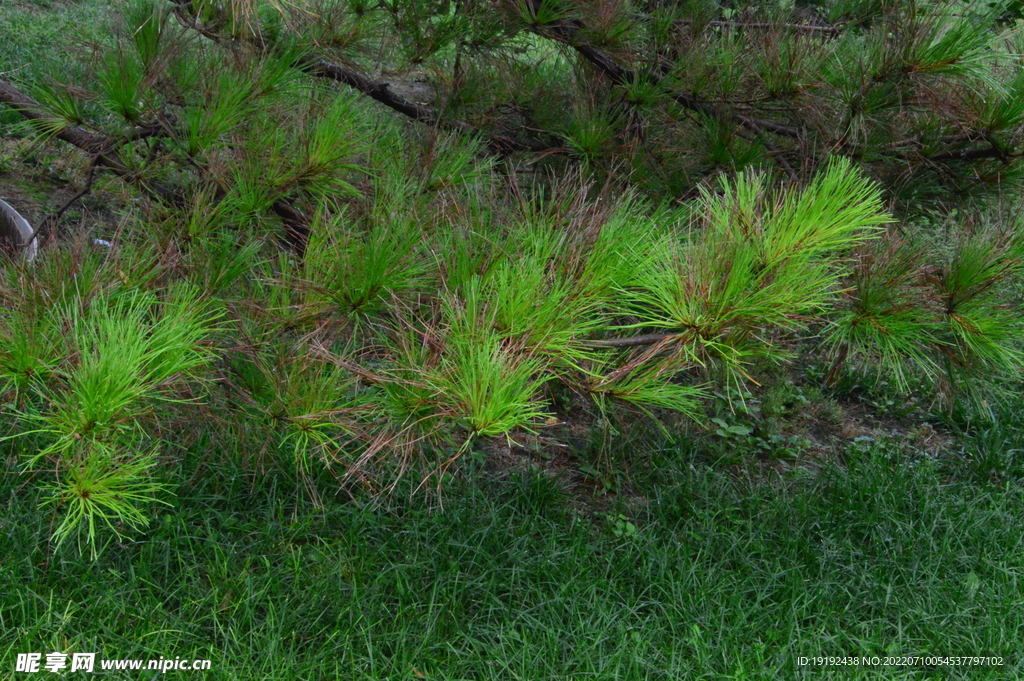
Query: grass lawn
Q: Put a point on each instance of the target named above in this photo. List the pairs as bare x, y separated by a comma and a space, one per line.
712, 578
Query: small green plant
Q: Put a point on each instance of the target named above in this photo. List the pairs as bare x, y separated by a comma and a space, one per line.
606, 478
726, 430
773, 445
621, 527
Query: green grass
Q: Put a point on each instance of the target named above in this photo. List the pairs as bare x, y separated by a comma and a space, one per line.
714, 578
45, 40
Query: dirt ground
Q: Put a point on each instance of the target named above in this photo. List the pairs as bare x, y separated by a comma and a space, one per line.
37, 180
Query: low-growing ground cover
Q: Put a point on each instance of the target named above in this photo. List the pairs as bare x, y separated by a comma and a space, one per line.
706, 576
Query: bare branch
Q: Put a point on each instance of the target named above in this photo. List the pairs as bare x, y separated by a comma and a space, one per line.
635, 341
383, 94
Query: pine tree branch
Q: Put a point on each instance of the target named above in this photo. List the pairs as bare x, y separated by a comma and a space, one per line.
382, 93
763, 25
103, 150
566, 33
323, 68
968, 155
632, 342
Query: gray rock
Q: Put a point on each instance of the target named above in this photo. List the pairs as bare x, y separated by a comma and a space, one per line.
15, 232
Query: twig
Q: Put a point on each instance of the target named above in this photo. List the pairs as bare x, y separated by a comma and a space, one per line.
809, 28
635, 341
50, 222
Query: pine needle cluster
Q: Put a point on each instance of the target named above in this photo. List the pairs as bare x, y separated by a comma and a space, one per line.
623, 205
